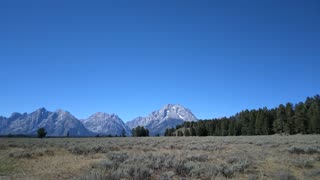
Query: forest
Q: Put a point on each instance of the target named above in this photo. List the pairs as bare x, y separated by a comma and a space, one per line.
300, 118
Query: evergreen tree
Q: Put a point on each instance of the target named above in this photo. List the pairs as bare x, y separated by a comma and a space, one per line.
217, 131
193, 131
123, 133
300, 119
268, 121
252, 121
41, 133
211, 128
140, 131
166, 133
232, 126
279, 123
238, 128
201, 129
187, 132
245, 122
314, 118
259, 122
289, 127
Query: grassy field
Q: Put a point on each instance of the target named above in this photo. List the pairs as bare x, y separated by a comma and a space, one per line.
244, 157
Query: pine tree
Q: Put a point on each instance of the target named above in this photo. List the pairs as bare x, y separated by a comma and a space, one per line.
201, 129
271, 117
280, 122
223, 128
140, 131
123, 133
314, 118
238, 128
232, 126
41, 133
245, 122
300, 119
289, 127
261, 116
252, 121
187, 132
166, 132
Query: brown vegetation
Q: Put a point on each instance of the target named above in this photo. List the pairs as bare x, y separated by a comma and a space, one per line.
242, 157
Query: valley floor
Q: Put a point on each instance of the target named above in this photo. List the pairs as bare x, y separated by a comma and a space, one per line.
242, 157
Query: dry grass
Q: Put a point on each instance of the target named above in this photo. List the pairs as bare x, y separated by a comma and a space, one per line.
244, 157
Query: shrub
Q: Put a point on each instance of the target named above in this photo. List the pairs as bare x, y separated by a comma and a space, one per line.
225, 170
302, 162
312, 150
94, 174
115, 174
20, 154
141, 173
296, 150
105, 164
79, 150
283, 175
200, 158
121, 156
167, 175
313, 173
303, 150
235, 166
180, 168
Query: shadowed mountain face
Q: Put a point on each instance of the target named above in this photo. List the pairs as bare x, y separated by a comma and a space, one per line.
58, 123
105, 124
167, 117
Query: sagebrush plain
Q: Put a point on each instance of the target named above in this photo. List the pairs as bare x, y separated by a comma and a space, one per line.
233, 157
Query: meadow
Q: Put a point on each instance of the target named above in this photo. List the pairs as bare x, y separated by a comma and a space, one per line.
232, 157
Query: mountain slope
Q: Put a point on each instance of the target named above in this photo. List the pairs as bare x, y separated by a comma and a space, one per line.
105, 124
167, 117
57, 123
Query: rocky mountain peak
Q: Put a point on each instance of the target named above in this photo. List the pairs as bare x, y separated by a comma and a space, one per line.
104, 116
168, 116
104, 123
42, 109
15, 115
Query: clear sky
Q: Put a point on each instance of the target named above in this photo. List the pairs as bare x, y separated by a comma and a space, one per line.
132, 57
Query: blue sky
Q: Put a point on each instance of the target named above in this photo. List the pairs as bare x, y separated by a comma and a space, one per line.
132, 57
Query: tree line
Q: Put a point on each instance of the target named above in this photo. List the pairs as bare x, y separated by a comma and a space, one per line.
303, 117
140, 131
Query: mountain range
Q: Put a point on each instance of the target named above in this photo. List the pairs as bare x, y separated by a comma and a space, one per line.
58, 123
61, 123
